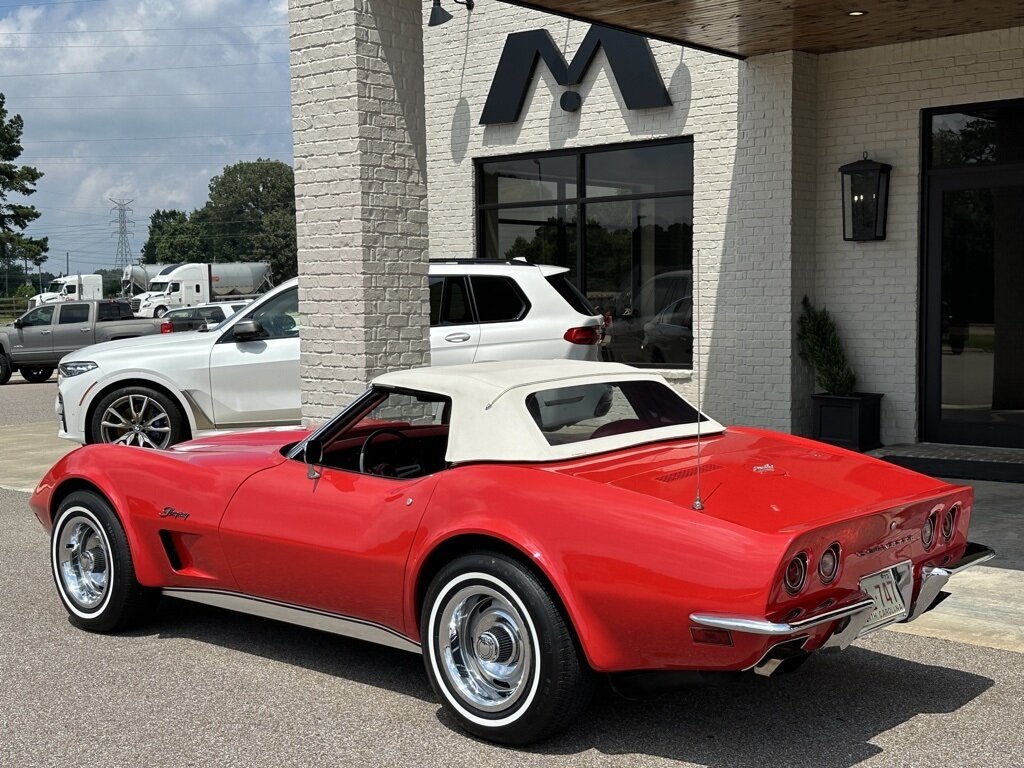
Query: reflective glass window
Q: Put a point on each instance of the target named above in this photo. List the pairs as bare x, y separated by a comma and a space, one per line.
73, 313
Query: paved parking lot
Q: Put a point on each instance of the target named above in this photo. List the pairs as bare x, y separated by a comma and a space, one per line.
210, 688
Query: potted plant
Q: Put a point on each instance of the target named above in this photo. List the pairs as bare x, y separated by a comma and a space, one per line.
839, 415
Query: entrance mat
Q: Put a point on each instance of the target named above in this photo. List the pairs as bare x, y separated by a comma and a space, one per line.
1004, 472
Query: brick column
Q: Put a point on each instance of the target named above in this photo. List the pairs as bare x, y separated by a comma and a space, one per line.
360, 190
755, 375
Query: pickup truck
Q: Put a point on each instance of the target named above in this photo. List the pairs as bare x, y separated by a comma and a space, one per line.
35, 342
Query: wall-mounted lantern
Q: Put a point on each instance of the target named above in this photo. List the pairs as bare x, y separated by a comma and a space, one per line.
865, 199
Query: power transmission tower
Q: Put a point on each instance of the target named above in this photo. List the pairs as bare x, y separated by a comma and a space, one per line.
123, 258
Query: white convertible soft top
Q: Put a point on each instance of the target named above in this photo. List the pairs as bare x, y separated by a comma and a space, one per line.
490, 420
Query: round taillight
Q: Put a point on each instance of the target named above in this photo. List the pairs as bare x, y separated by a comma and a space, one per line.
796, 574
949, 522
828, 564
928, 531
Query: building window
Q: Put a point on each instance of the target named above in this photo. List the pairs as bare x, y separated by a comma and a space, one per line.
620, 219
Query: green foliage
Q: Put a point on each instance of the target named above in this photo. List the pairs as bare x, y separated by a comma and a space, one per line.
818, 341
250, 216
26, 291
16, 248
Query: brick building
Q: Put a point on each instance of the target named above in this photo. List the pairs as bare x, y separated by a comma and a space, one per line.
726, 190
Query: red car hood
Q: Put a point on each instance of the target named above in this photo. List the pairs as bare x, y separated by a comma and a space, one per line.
760, 480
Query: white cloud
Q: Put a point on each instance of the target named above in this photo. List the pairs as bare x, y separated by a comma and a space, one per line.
101, 136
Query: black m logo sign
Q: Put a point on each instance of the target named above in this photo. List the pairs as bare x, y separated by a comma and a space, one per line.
629, 58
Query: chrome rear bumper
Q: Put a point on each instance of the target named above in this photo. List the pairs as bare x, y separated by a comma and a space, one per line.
933, 578
857, 608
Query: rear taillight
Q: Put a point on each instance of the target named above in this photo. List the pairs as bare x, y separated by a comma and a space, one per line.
828, 564
587, 335
928, 531
949, 522
796, 574
166, 327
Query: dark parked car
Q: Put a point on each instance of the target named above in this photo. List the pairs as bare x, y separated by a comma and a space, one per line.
198, 318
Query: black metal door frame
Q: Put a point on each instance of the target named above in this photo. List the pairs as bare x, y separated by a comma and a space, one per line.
937, 183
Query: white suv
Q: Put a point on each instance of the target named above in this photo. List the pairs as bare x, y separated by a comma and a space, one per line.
156, 391
508, 310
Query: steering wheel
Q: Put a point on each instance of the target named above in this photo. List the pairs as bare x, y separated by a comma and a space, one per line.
363, 452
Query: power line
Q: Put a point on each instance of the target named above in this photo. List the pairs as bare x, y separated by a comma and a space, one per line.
148, 29
142, 45
144, 69
156, 109
144, 95
136, 157
54, 2
157, 138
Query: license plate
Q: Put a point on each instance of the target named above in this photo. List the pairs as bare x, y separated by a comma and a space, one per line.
884, 591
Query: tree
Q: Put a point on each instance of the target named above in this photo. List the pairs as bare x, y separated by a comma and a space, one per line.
18, 179
165, 231
251, 216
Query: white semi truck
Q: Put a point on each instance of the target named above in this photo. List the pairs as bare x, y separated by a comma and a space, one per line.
70, 288
137, 277
187, 285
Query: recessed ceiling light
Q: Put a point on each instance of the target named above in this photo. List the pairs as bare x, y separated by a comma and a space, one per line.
855, 13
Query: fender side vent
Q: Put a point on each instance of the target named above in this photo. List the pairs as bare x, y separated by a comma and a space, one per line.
682, 474
167, 539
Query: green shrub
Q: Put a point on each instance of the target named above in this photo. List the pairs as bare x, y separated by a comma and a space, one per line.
818, 341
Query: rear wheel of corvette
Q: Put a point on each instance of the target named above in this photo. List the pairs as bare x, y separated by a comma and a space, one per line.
138, 416
498, 652
92, 566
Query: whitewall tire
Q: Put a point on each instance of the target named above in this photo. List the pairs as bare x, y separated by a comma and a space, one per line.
499, 653
93, 569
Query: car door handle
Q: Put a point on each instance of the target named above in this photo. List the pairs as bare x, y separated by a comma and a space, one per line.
84, 330
457, 337
44, 333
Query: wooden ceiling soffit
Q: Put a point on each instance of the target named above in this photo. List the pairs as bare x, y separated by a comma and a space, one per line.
742, 28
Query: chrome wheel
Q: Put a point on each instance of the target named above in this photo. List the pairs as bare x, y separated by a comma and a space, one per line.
485, 648
83, 562
136, 419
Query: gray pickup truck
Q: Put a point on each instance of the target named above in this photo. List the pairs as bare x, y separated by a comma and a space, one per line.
35, 342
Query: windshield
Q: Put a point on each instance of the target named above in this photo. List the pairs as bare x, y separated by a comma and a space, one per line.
158, 286
55, 286
591, 411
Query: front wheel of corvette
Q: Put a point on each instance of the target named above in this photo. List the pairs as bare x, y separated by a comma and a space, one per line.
498, 652
93, 567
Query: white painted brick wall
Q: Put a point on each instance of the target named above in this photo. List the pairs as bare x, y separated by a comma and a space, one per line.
768, 133
872, 100
360, 188
744, 190
462, 56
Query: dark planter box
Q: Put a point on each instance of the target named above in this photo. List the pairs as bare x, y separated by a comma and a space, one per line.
849, 421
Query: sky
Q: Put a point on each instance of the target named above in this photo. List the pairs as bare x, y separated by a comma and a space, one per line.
141, 100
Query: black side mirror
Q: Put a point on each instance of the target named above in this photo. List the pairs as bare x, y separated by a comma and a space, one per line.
247, 330
313, 453
18, 323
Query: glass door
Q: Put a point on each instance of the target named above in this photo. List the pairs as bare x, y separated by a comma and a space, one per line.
975, 339
972, 339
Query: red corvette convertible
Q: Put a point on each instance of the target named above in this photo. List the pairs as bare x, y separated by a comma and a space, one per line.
524, 526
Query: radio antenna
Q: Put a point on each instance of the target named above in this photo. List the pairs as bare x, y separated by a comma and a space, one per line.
698, 503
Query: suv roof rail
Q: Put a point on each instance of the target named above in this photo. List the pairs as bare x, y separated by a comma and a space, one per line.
506, 262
